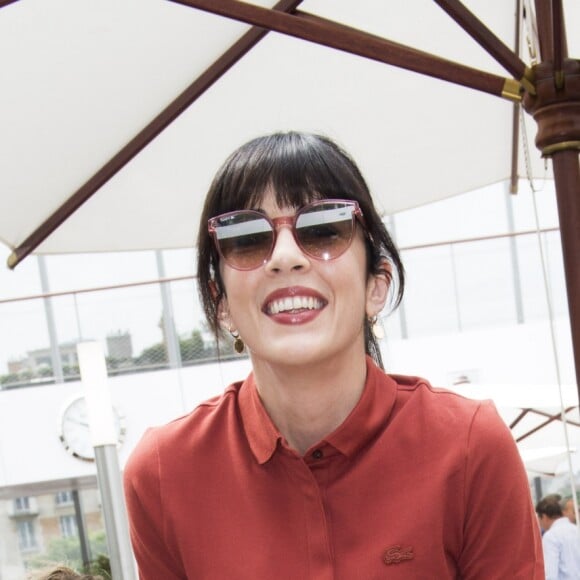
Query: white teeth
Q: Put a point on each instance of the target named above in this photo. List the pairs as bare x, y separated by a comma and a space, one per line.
294, 303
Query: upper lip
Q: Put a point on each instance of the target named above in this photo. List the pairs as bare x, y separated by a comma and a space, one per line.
290, 292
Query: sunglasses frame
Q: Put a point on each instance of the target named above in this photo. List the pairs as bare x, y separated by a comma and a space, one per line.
278, 222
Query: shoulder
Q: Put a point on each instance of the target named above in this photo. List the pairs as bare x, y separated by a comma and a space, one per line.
472, 428
562, 527
442, 404
550, 537
417, 385
183, 434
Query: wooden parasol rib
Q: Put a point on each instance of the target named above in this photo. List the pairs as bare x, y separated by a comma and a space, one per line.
144, 137
552, 418
341, 37
491, 43
556, 109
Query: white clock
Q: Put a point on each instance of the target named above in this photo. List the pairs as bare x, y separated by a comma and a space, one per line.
75, 433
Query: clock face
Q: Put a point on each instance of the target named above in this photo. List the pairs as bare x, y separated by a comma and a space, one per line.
75, 433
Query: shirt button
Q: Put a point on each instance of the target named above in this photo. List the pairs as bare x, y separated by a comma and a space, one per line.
317, 454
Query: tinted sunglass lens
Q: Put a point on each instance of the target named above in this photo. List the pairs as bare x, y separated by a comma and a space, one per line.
244, 239
325, 230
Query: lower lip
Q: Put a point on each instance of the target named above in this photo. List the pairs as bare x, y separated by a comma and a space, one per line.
301, 317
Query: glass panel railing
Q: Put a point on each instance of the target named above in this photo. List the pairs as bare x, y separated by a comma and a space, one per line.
451, 287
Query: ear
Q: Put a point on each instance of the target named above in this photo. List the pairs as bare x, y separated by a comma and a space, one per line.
378, 289
224, 316
221, 302
213, 289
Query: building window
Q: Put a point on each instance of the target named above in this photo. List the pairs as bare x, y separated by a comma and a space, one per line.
21, 504
64, 498
26, 535
68, 526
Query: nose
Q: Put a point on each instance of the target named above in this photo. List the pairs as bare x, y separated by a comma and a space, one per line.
287, 254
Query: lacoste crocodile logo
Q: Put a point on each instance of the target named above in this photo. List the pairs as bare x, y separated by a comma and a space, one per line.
396, 554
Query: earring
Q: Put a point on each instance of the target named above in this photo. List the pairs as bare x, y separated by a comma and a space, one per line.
376, 327
239, 345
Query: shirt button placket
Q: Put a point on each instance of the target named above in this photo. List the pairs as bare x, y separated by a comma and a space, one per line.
321, 562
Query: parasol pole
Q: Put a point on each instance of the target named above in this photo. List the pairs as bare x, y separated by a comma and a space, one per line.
566, 165
556, 109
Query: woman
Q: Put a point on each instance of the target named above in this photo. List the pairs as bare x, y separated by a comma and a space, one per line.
319, 465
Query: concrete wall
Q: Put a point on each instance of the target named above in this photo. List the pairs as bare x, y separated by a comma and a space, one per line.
30, 450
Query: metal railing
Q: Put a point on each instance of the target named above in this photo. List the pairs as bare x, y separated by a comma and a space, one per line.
156, 324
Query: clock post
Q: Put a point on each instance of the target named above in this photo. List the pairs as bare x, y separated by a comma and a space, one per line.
104, 440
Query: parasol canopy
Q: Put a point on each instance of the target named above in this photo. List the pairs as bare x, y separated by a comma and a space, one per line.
82, 79
114, 115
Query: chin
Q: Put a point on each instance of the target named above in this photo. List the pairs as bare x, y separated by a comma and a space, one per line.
300, 351
287, 357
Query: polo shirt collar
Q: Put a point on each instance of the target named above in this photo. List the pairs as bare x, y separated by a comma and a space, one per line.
262, 434
367, 418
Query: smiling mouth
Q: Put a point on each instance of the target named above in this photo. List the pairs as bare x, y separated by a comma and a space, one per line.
294, 304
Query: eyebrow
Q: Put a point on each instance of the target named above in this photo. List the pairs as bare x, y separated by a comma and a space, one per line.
265, 214
259, 210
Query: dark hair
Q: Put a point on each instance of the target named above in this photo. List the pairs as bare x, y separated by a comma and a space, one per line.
299, 168
66, 573
550, 506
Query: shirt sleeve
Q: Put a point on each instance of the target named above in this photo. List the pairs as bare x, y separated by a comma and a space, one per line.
156, 556
501, 537
551, 557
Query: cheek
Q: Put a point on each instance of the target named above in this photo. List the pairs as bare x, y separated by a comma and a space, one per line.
240, 287
354, 272
231, 279
347, 282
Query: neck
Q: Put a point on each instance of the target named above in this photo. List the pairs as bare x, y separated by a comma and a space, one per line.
551, 521
307, 403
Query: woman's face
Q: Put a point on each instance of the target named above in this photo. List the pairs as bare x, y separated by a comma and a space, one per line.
299, 310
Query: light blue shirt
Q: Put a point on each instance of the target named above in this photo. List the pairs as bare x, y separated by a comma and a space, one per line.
561, 544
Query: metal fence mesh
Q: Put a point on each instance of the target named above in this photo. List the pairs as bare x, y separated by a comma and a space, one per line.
159, 324
143, 327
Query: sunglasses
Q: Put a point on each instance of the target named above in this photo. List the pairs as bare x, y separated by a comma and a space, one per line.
323, 230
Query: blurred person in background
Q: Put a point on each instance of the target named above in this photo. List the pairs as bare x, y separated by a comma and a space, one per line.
568, 509
560, 541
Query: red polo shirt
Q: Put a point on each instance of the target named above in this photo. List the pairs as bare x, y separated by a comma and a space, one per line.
417, 483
